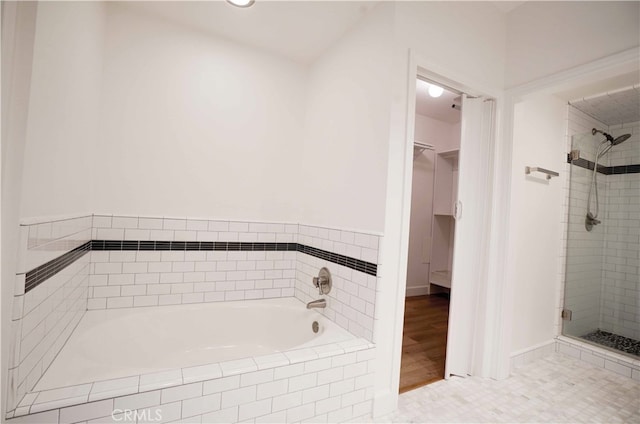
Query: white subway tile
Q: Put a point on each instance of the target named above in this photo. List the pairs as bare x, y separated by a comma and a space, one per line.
148, 256
254, 409
101, 221
287, 401
110, 234
342, 387
64, 393
124, 222
301, 355
151, 300
201, 373
340, 415
174, 224
221, 384
150, 223
201, 405
137, 401
329, 404
238, 396
112, 388
160, 379
238, 366
300, 413
161, 235
315, 393
270, 361
276, 417
227, 415
86, 411
136, 234
617, 368
119, 302
169, 412
272, 389
196, 225
302, 382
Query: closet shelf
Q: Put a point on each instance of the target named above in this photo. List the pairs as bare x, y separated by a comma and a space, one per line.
453, 153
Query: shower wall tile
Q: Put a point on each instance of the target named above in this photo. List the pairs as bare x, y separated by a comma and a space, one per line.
600, 274
351, 302
44, 316
140, 278
620, 304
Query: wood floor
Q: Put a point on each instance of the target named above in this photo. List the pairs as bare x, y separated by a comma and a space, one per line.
424, 340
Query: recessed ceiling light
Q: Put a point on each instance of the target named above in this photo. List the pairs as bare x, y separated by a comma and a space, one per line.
435, 91
242, 3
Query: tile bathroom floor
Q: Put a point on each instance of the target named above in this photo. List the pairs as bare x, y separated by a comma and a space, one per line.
555, 389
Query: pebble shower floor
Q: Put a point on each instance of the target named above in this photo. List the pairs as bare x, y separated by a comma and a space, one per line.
558, 389
614, 341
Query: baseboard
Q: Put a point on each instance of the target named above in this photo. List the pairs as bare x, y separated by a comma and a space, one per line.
526, 356
417, 291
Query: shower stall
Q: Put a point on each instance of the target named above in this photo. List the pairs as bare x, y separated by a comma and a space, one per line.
602, 284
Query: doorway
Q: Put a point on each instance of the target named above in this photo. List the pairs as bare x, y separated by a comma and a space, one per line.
431, 234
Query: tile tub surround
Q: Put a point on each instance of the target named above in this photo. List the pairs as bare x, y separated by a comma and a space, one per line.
351, 302
50, 297
113, 278
330, 383
166, 261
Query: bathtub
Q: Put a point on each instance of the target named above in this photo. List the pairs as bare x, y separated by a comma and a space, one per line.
114, 343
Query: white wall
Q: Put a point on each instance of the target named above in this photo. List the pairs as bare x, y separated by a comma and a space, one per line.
63, 109
536, 211
196, 125
463, 41
548, 37
344, 157
18, 34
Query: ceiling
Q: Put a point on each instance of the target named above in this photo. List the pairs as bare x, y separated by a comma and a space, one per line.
436, 107
298, 30
614, 107
614, 100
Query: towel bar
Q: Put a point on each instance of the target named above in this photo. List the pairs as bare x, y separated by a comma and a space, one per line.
529, 169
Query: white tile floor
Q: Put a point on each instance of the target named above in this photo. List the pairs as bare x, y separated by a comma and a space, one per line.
553, 389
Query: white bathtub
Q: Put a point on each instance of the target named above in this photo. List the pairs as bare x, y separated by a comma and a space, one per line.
115, 343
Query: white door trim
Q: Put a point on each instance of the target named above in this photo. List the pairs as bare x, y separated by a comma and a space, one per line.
390, 298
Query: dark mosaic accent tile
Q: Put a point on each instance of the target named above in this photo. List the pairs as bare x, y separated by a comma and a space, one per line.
633, 169
41, 273
607, 170
38, 275
624, 344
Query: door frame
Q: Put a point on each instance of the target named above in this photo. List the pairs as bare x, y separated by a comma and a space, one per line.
390, 298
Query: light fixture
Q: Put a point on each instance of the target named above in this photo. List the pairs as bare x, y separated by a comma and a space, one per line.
241, 3
435, 91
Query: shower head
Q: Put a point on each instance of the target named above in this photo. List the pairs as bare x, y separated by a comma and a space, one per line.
609, 137
620, 139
